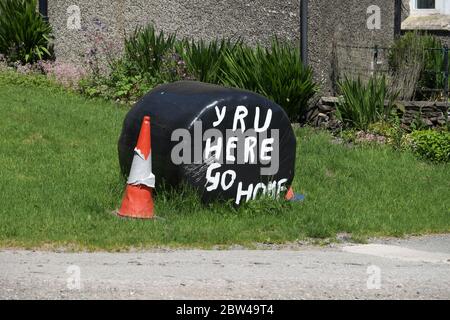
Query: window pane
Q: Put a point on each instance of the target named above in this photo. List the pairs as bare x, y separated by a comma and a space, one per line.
426, 4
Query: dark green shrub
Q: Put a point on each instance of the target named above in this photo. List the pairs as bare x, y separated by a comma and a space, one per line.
145, 50
276, 72
362, 104
24, 35
432, 145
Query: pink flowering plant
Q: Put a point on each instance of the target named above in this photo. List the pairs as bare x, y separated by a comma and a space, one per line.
67, 74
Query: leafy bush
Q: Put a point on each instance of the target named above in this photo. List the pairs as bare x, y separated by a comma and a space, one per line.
383, 128
363, 104
145, 50
120, 85
275, 72
24, 35
431, 145
419, 58
125, 84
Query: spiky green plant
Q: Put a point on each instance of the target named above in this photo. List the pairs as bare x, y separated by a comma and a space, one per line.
24, 34
276, 72
205, 59
145, 48
362, 104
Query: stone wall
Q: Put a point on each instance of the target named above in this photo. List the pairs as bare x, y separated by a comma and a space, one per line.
432, 114
338, 21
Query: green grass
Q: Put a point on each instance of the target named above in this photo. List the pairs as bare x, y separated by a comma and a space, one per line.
60, 181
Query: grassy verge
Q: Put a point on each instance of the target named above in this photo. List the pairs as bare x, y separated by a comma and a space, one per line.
59, 182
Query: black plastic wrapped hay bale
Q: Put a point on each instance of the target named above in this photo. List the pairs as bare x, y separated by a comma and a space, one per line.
181, 105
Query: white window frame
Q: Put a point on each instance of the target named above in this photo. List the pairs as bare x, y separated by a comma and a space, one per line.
442, 7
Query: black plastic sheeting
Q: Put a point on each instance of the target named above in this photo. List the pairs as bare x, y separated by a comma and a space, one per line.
179, 105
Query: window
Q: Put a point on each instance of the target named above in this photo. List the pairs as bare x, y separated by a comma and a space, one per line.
429, 7
428, 15
426, 4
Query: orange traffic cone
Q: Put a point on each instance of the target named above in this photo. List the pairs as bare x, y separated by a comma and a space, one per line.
290, 194
137, 201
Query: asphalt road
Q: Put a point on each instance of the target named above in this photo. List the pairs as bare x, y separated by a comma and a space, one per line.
414, 268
